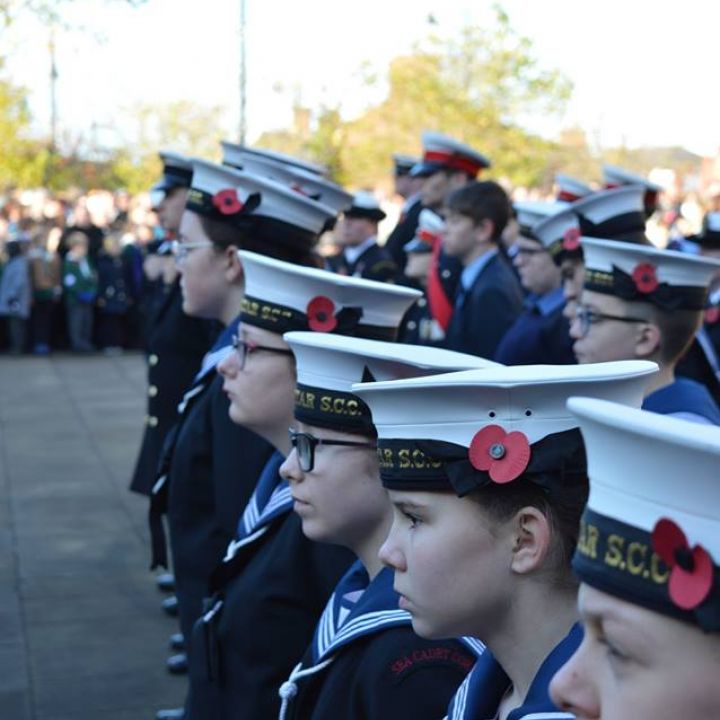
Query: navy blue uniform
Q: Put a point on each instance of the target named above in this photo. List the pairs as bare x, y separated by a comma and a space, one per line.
176, 346
210, 465
403, 233
485, 308
540, 336
266, 598
366, 662
686, 399
480, 695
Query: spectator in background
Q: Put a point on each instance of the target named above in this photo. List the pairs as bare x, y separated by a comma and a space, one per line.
45, 272
80, 286
16, 293
112, 302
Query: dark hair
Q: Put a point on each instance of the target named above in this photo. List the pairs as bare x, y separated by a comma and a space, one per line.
271, 238
480, 201
562, 509
677, 330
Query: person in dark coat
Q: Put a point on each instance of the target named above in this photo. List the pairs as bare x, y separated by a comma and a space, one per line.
487, 507
176, 342
641, 302
408, 187
360, 663
273, 584
489, 297
210, 465
541, 334
426, 321
356, 234
112, 301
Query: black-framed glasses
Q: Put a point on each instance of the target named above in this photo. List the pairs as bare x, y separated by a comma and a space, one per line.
586, 318
243, 348
305, 444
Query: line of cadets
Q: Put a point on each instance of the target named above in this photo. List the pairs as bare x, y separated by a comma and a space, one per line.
303, 591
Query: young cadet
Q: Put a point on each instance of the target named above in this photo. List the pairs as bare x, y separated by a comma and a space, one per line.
540, 335
408, 187
489, 297
356, 233
360, 663
648, 560
614, 214
427, 320
176, 342
271, 588
643, 303
210, 464
486, 471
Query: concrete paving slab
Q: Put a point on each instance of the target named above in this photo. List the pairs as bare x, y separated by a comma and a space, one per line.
82, 635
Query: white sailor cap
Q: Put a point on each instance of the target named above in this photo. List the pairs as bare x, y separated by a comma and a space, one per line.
365, 205
667, 279
328, 365
296, 178
245, 200
614, 176
615, 214
530, 212
466, 430
177, 172
559, 233
428, 233
232, 155
441, 152
282, 297
651, 531
404, 163
571, 189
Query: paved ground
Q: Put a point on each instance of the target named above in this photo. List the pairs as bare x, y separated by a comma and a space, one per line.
81, 631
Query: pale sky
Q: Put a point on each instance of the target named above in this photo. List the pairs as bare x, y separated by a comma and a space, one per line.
643, 70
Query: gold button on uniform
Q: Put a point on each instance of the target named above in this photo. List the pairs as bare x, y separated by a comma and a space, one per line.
152, 391
153, 360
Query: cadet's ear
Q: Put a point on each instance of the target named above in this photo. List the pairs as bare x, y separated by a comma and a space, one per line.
532, 540
234, 268
648, 340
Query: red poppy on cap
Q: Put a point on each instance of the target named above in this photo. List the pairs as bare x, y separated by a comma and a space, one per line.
645, 278
571, 239
321, 314
227, 202
691, 570
503, 455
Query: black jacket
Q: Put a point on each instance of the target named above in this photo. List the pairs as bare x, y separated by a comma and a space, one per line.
403, 233
489, 308
176, 345
213, 469
272, 593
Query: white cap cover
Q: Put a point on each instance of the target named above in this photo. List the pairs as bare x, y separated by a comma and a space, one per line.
328, 365
282, 297
668, 279
491, 425
651, 530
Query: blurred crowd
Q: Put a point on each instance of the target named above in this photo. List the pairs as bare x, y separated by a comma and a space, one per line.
72, 271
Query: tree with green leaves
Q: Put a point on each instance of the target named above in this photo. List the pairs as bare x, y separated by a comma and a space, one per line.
481, 86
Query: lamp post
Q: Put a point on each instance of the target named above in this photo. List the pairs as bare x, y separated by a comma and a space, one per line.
242, 125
